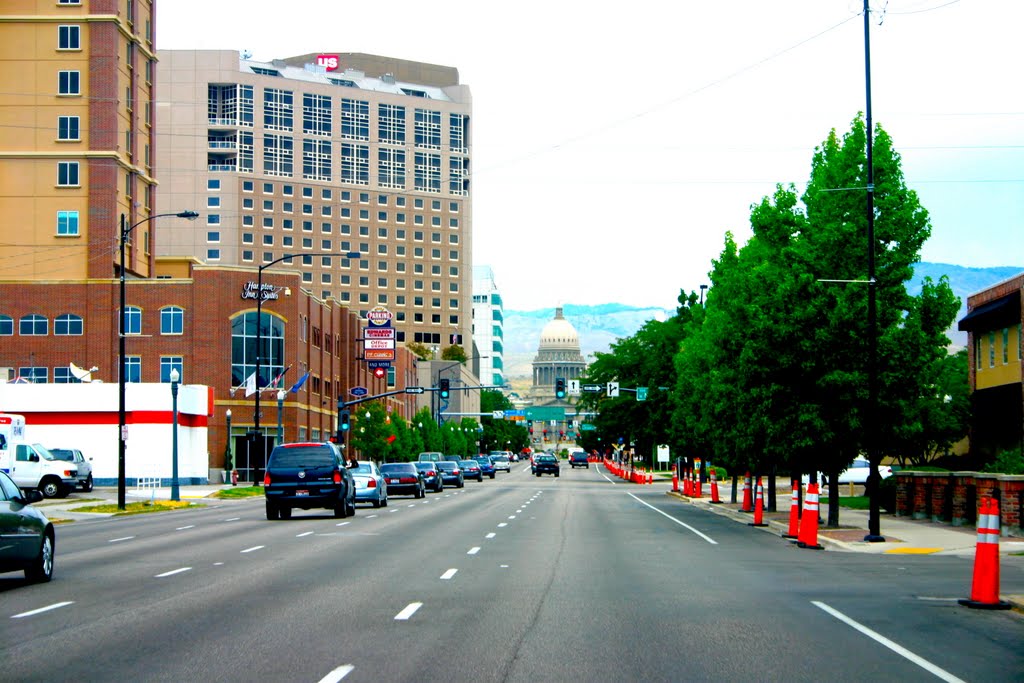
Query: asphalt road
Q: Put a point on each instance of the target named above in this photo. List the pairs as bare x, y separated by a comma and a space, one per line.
517, 579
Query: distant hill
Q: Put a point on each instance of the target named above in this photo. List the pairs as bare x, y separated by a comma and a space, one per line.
599, 326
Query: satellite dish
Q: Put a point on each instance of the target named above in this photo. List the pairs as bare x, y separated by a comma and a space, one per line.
246, 54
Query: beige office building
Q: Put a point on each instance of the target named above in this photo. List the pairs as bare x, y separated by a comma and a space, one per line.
358, 164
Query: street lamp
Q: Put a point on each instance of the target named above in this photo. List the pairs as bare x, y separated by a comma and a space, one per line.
175, 494
280, 406
227, 450
256, 432
122, 431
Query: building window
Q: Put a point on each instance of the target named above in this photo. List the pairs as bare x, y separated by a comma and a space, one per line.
172, 320
278, 109
69, 83
168, 363
6, 326
458, 132
316, 159
68, 128
992, 349
428, 172
391, 123
1006, 345
133, 320
69, 37
391, 168
132, 369
67, 174
316, 114
213, 254
62, 375
243, 348
428, 128
36, 375
355, 164
68, 325
278, 156
355, 119
33, 326
67, 223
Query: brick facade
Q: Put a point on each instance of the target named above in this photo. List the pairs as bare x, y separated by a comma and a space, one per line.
955, 497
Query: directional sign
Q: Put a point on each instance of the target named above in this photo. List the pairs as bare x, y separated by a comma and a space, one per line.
574, 387
613, 389
379, 354
587, 427
358, 391
591, 388
414, 390
498, 414
641, 393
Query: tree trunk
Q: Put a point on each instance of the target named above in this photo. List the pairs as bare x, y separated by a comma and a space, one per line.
833, 495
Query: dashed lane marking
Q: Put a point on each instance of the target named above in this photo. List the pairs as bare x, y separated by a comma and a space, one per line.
409, 610
56, 605
449, 574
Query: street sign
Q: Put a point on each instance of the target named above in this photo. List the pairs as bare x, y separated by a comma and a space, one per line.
641, 393
591, 388
587, 427
574, 387
613, 389
379, 354
663, 453
543, 413
373, 364
498, 414
378, 333
378, 343
380, 373
414, 390
359, 391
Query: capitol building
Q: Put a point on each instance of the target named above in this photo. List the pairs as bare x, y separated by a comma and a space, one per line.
558, 355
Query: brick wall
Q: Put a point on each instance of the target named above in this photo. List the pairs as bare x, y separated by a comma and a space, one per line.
955, 497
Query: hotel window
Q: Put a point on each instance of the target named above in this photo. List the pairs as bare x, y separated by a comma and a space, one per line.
213, 202
213, 236
268, 205
355, 164
69, 37
992, 349
68, 128
68, 325
133, 369
325, 194
355, 119
391, 168
1006, 345
391, 123
172, 320
428, 172
33, 326
213, 184
213, 219
133, 320
247, 222
245, 152
67, 223
278, 109
316, 114
428, 128
277, 155
67, 173
458, 132
247, 238
268, 222
213, 254
316, 159
247, 186
169, 363
247, 255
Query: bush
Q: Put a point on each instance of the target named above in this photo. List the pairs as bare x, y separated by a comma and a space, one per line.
720, 473
1007, 462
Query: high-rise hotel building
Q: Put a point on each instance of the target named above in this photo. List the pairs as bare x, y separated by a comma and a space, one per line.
489, 326
358, 164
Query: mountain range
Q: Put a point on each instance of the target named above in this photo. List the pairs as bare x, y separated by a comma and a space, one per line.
600, 325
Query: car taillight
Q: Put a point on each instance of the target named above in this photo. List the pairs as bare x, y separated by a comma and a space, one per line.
371, 483
431, 473
455, 471
407, 480
337, 476
266, 478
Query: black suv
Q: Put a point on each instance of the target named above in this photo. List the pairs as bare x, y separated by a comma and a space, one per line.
579, 459
545, 464
308, 475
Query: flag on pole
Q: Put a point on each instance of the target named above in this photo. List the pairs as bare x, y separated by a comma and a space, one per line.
250, 385
298, 385
277, 380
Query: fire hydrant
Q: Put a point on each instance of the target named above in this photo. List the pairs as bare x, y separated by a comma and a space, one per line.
234, 477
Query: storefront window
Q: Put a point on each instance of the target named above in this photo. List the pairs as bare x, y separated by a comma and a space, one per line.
243, 348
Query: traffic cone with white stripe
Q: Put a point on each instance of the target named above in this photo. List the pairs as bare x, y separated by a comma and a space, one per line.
985, 585
794, 513
696, 483
808, 537
714, 488
675, 480
747, 505
758, 506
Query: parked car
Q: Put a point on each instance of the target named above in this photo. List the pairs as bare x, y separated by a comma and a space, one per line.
486, 465
501, 462
579, 459
81, 463
545, 463
451, 473
856, 473
370, 486
431, 475
308, 475
471, 470
402, 478
27, 539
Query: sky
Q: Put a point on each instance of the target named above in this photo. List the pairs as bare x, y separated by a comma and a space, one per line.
614, 144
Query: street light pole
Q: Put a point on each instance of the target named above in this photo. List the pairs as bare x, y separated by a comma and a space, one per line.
122, 430
440, 372
175, 493
280, 407
227, 450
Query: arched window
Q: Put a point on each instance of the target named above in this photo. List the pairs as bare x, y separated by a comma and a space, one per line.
243, 348
6, 326
172, 320
68, 324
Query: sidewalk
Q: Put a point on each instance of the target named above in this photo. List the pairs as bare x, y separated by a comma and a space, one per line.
65, 508
902, 536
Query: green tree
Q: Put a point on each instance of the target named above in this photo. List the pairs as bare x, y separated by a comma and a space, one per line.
454, 352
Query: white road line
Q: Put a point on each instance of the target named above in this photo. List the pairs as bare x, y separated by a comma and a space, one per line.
232, 519
882, 640
408, 611
118, 540
172, 572
394, 511
56, 605
474, 550
449, 574
519, 511
491, 535
411, 505
182, 528
502, 524
683, 524
338, 674
305, 533
511, 516
369, 517
342, 523
255, 547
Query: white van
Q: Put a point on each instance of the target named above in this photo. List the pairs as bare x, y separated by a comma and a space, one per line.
32, 466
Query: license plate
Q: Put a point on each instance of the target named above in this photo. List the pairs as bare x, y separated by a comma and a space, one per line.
301, 492
392, 481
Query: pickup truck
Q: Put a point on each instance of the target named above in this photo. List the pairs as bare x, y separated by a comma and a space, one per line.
32, 466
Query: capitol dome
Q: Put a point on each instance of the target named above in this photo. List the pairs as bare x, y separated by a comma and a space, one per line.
559, 334
558, 357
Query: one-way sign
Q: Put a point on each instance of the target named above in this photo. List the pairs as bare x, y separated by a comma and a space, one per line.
414, 390
592, 388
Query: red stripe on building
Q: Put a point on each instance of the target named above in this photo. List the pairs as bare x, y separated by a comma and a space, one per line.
130, 417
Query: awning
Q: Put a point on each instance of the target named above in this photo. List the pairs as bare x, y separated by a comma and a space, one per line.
1003, 312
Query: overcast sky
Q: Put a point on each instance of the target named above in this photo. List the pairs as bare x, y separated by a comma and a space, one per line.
615, 143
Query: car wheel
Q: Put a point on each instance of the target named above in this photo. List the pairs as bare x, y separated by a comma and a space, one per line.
417, 493
537, 473
272, 511
384, 503
52, 488
351, 508
286, 513
556, 474
341, 509
461, 484
492, 476
88, 484
376, 503
41, 570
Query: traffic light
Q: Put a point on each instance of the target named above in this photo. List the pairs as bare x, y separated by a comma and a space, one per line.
343, 421
559, 387
444, 385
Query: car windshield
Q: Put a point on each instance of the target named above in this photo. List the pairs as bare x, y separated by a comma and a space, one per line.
364, 468
483, 461
301, 456
63, 454
45, 452
447, 465
545, 458
425, 466
397, 468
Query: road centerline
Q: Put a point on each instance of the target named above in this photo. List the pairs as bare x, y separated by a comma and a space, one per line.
409, 610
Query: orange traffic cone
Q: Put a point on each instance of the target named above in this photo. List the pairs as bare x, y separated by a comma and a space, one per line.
794, 512
985, 585
809, 523
758, 507
696, 483
747, 502
675, 480
714, 487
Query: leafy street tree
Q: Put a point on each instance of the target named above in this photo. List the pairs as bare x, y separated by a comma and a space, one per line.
454, 352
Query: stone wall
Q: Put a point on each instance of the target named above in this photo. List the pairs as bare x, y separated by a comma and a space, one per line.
955, 497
